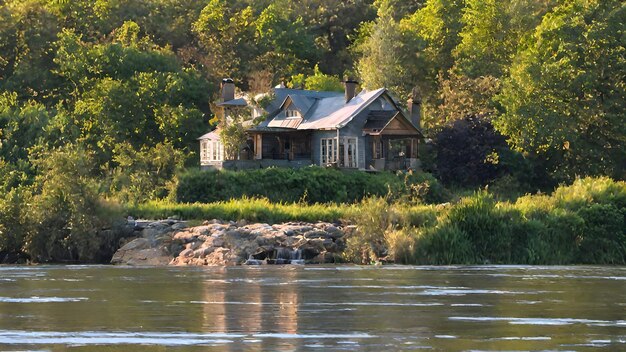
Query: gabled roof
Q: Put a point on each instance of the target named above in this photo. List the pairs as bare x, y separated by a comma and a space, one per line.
282, 93
336, 113
384, 123
328, 110
213, 135
378, 119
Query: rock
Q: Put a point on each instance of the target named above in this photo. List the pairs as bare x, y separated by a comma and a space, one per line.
137, 244
184, 236
139, 252
187, 253
179, 226
315, 234
231, 243
218, 242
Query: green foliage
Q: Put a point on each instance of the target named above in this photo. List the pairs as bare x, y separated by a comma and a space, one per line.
145, 174
444, 245
323, 82
386, 56
311, 184
14, 226
233, 134
66, 212
250, 209
564, 101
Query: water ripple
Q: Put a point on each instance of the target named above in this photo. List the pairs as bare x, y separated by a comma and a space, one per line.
36, 299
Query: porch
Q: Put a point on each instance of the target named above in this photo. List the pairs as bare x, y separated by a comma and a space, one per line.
394, 152
291, 146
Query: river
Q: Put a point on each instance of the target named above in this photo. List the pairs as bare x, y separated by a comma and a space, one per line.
312, 308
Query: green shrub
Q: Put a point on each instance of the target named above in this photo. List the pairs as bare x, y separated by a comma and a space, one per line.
374, 218
13, 224
603, 239
311, 184
444, 245
488, 227
401, 245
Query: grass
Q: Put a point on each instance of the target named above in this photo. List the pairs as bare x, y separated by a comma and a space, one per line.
250, 209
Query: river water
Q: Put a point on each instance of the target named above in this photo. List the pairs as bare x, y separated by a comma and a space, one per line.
312, 308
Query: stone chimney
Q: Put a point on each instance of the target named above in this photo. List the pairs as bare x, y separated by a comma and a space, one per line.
350, 85
228, 89
415, 106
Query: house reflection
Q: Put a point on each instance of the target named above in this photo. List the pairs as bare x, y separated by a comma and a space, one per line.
251, 304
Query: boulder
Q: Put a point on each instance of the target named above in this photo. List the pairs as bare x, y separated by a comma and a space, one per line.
140, 252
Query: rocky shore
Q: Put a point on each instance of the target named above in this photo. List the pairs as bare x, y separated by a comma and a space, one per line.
220, 243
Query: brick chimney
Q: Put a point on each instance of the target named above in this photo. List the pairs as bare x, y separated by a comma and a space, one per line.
228, 89
350, 84
415, 106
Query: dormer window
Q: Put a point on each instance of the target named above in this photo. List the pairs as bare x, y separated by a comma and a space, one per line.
292, 113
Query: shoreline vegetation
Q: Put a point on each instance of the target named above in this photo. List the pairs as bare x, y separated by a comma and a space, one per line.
581, 223
578, 224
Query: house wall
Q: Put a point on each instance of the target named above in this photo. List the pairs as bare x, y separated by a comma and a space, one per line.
316, 143
355, 129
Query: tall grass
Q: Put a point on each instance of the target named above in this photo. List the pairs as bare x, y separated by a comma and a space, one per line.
250, 209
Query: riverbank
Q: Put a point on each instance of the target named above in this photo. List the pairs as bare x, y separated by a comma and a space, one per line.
583, 223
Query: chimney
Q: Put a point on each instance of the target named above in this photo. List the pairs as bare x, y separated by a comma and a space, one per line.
350, 84
415, 105
228, 89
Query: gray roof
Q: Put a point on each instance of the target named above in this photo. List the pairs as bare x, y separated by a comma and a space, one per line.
234, 102
325, 110
282, 93
377, 119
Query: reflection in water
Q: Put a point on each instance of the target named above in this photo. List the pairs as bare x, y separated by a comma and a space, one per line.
286, 308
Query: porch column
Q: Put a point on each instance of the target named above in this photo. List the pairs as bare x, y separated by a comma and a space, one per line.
258, 146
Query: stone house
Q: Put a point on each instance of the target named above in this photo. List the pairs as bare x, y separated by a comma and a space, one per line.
365, 131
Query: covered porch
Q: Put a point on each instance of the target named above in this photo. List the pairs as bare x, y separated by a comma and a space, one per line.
394, 152
288, 145
393, 142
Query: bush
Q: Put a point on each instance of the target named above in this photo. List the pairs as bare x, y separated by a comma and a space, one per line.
444, 245
13, 225
66, 210
603, 239
311, 185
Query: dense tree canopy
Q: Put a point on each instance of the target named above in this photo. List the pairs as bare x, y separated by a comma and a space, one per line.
119, 78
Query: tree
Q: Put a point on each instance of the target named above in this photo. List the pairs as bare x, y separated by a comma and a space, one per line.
492, 31
323, 82
387, 58
232, 133
565, 100
469, 151
462, 96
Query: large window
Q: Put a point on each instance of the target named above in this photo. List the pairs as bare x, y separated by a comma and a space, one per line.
211, 151
348, 152
328, 151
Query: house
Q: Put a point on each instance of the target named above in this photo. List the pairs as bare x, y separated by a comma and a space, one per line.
366, 131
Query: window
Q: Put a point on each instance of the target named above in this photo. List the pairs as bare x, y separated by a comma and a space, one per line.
204, 151
348, 152
211, 151
291, 113
328, 151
